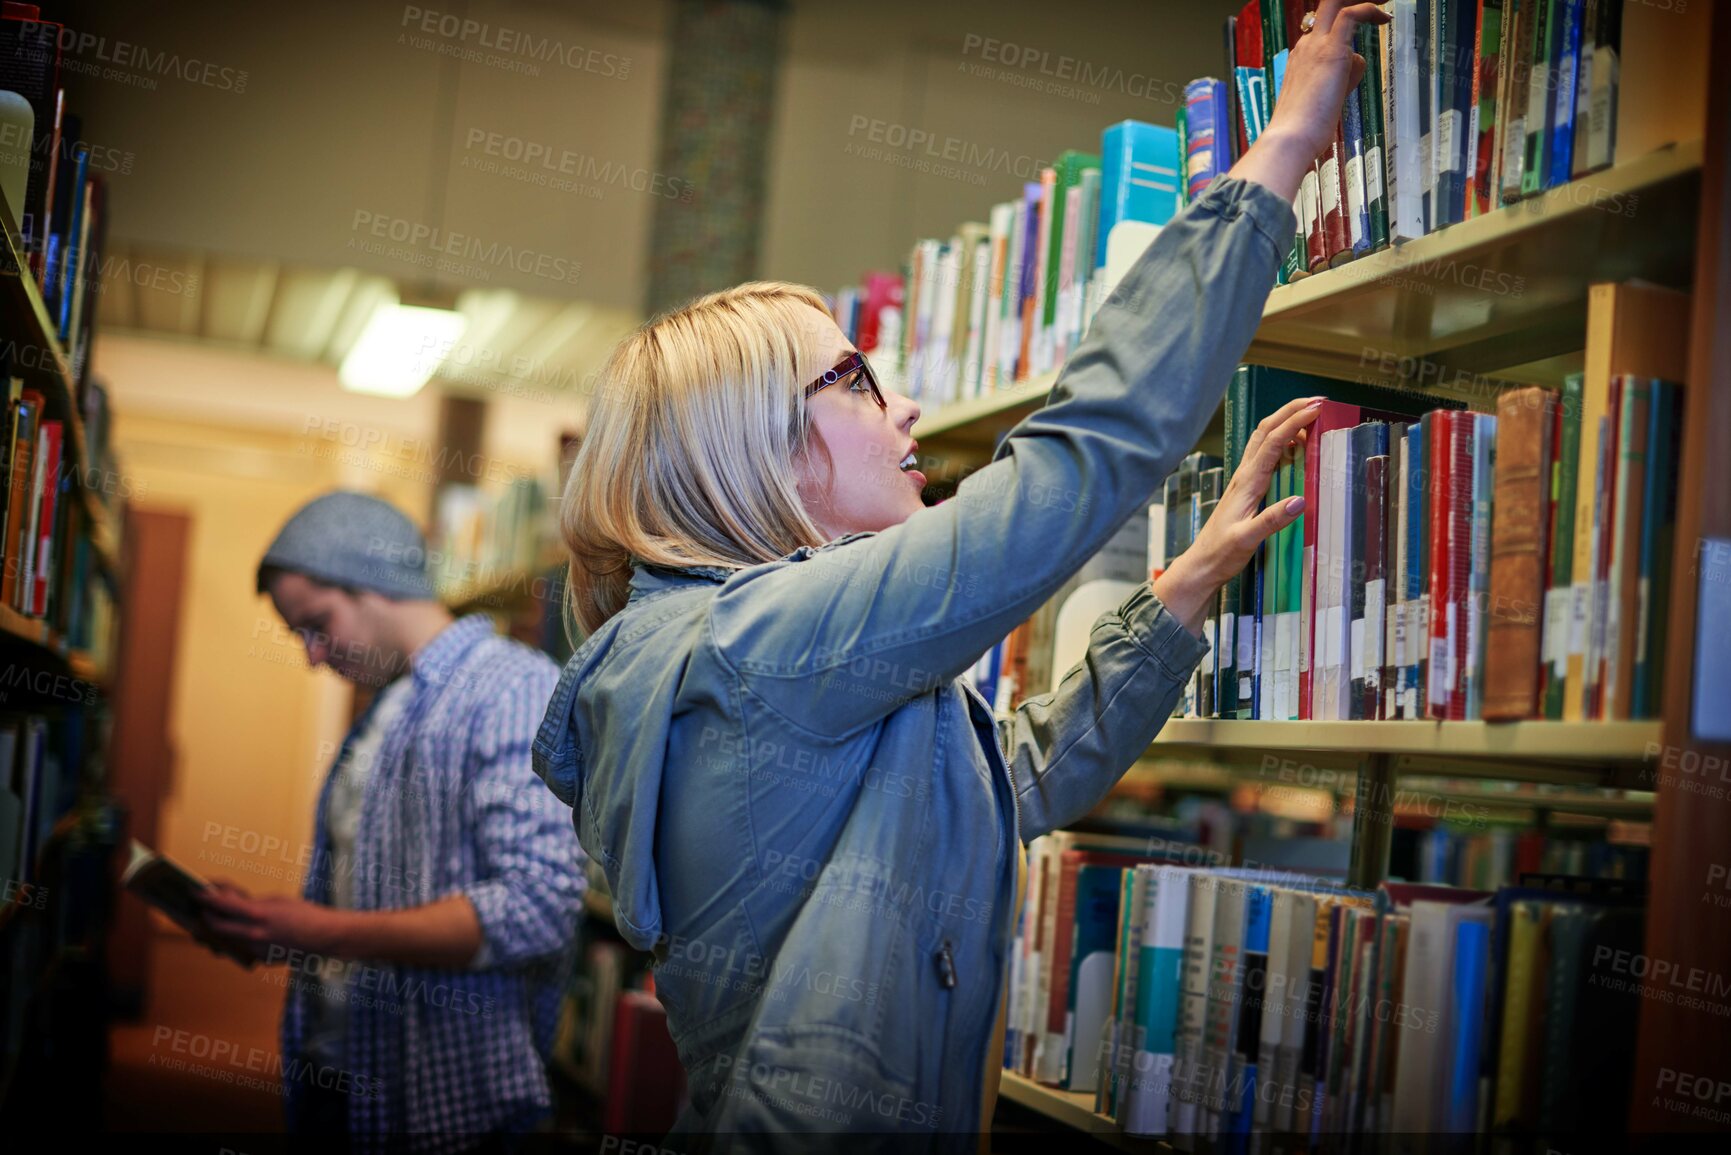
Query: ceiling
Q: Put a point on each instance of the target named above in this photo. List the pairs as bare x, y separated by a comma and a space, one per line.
515, 342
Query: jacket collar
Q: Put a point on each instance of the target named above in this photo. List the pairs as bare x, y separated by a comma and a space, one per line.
648, 578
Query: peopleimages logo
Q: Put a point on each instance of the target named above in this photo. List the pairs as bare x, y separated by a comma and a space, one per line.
461, 31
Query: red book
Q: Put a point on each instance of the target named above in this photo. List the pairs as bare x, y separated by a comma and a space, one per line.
882, 290
1247, 53
1064, 937
1460, 557
1439, 462
42, 572
644, 1079
1336, 231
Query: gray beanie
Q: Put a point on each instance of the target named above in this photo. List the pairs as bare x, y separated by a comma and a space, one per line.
354, 540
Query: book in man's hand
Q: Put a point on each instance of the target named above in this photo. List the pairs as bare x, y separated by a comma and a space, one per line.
176, 892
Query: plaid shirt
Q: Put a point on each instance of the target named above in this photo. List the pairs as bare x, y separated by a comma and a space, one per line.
435, 1059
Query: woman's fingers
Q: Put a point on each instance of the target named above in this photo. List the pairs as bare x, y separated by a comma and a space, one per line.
1267, 457
1273, 421
1275, 518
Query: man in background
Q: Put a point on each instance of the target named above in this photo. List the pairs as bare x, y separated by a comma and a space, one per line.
438, 917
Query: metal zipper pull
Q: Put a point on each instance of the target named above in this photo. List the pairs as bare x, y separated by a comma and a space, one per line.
946, 966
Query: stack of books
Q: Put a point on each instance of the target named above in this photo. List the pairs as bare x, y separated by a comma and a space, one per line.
63, 220
1215, 1005
1434, 537
1464, 107
1001, 301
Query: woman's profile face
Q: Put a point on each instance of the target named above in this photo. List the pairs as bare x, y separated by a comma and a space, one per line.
862, 487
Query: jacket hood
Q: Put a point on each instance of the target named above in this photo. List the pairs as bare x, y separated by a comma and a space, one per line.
602, 746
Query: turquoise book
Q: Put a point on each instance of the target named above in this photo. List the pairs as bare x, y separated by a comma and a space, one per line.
1139, 178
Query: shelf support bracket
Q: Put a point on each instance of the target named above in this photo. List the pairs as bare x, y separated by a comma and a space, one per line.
1372, 823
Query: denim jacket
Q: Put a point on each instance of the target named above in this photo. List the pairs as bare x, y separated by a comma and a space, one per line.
801, 808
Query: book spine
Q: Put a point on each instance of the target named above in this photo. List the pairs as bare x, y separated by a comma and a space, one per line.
1375, 168
1357, 194
1336, 232
1368, 658
1478, 573
1439, 454
1540, 105
1561, 154
1559, 594
1623, 601
1602, 98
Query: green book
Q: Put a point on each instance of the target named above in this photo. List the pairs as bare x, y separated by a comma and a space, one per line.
1182, 124
1069, 167
1370, 100
1562, 998
1481, 196
1658, 528
1565, 477
1547, 22
1266, 626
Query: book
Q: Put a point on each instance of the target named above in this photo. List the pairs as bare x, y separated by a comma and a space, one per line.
1627, 513
1541, 95
1567, 62
1206, 151
1486, 169
1605, 81
1657, 530
1516, 101
1632, 328
1409, 140
1479, 562
1139, 181
1371, 103
1093, 936
1559, 592
175, 891
1190, 1072
1160, 976
1518, 550
41, 569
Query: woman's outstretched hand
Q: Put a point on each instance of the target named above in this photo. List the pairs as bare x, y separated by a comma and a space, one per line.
1322, 68
1225, 545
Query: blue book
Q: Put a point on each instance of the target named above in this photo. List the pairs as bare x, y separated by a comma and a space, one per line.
1093, 953
1561, 155
1467, 1002
1479, 577
1429, 97
69, 280
1207, 135
1241, 1076
1357, 199
1139, 178
1457, 52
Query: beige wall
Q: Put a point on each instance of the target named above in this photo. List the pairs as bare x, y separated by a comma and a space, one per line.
237, 443
341, 114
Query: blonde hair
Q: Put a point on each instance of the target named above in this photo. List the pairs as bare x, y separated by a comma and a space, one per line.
688, 456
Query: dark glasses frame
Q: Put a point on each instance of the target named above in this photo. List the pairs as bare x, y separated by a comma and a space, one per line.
853, 363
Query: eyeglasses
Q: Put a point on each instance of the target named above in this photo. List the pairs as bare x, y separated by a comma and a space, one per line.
849, 366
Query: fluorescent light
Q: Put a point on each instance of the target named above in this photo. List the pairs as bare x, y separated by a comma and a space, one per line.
399, 349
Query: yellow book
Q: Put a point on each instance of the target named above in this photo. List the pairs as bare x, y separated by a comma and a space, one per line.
1632, 327
1520, 1000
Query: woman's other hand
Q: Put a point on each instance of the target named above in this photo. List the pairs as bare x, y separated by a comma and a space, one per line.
1225, 545
1321, 70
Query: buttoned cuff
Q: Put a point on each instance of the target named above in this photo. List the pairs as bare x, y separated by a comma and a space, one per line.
1161, 635
1232, 197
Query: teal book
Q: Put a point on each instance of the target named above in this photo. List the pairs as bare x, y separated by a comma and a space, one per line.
1541, 105
1658, 526
1370, 101
1557, 1100
1139, 178
1094, 941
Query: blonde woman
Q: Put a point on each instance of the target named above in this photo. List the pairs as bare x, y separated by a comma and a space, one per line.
799, 806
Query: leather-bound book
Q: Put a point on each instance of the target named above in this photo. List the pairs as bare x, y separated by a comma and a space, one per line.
1520, 509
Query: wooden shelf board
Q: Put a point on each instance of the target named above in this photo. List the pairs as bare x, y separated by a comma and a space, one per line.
1074, 1109
1590, 742
1505, 291
1505, 288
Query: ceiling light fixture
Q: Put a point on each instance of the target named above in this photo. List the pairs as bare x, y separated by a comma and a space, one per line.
400, 348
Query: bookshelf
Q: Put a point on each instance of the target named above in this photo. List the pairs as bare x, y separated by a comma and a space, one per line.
1074, 1109
1494, 301
57, 968
25, 319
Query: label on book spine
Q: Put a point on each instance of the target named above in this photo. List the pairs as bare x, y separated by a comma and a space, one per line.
1580, 607
1642, 587
1331, 185
1514, 152
1357, 663
1373, 174
1426, 163
1243, 642
1554, 633
1373, 595
1448, 133
1399, 634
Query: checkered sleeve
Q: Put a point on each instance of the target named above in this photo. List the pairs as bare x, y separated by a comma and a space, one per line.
529, 894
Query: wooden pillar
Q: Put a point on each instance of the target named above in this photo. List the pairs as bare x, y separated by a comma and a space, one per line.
1688, 932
